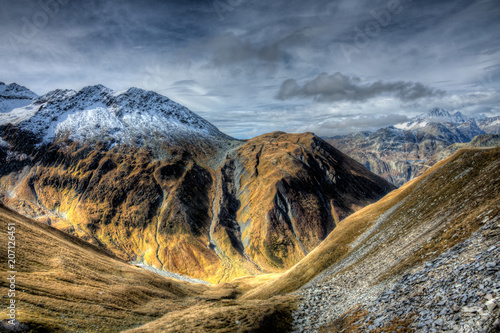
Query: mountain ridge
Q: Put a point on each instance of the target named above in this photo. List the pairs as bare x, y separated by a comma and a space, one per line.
438, 115
15, 90
97, 112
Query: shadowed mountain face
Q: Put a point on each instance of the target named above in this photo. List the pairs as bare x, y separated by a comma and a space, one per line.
152, 182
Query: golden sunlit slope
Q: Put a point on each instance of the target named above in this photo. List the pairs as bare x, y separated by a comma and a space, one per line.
65, 284
127, 200
408, 226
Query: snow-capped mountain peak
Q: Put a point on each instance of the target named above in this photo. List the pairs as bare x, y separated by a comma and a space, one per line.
442, 115
15, 91
458, 117
14, 96
97, 113
480, 117
435, 115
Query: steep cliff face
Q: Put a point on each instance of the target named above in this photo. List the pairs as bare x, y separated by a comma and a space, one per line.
152, 182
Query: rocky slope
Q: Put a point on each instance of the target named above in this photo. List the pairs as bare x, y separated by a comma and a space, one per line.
400, 153
147, 179
424, 258
459, 291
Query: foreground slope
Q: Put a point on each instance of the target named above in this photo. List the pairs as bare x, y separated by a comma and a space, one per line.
410, 226
149, 180
67, 285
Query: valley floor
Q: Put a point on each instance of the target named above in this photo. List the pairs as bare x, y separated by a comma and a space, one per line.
168, 274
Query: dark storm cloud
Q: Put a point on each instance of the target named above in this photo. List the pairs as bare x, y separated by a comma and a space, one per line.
89, 27
339, 87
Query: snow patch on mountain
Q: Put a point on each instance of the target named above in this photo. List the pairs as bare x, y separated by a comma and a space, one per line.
7, 105
18, 115
495, 121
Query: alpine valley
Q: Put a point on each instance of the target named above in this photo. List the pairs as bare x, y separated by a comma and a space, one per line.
130, 213
153, 183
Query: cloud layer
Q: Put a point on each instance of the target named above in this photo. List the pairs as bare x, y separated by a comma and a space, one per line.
339, 87
258, 66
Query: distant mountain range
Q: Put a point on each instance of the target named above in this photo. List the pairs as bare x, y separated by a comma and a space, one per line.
399, 153
154, 183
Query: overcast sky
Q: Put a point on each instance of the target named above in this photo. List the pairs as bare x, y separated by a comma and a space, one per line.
251, 67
